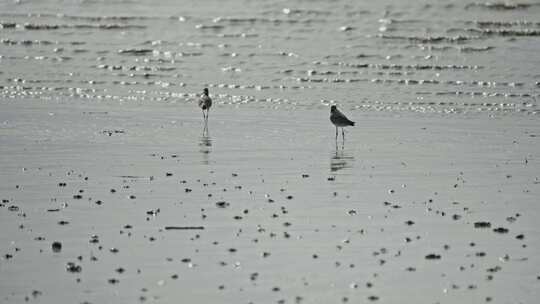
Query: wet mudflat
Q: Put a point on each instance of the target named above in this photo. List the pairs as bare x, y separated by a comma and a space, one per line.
265, 208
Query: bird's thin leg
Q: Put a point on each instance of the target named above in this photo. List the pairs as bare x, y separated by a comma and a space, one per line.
343, 134
203, 115
207, 112
336, 134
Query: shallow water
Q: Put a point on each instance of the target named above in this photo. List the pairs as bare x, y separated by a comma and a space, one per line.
426, 56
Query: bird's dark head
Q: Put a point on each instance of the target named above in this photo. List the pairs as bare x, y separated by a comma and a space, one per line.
205, 91
333, 108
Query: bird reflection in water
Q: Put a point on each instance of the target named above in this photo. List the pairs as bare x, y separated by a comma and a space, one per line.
205, 144
340, 160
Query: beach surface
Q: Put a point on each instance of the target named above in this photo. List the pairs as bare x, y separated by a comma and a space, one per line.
125, 203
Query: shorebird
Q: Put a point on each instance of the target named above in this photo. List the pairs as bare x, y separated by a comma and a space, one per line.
340, 121
205, 102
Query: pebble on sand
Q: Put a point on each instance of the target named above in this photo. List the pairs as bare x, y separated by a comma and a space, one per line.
72, 267
433, 256
56, 246
482, 225
500, 230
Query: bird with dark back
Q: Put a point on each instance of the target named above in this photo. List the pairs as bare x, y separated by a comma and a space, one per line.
340, 121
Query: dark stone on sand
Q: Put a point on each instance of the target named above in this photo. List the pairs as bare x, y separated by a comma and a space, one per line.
433, 256
98, 202
500, 230
184, 228
94, 239
289, 197
409, 223
120, 270
222, 204
36, 293
77, 196
56, 246
13, 208
174, 276
153, 212
114, 250
373, 298
73, 268
63, 223
520, 236
113, 281
482, 225
494, 269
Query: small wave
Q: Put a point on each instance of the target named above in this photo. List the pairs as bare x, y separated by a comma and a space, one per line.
503, 23
397, 21
432, 39
500, 5
463, 49
214, 27
470, 49
403, 66
75, 17
481, 94
256, 20
302, 11
238, 35
7, 25
135, 52
505, 32
35, 27
27, 42
135, 68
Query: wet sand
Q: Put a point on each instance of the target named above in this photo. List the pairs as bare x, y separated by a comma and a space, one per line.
124, 203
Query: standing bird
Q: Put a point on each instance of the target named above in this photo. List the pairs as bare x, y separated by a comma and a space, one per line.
339, 120
205, 102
